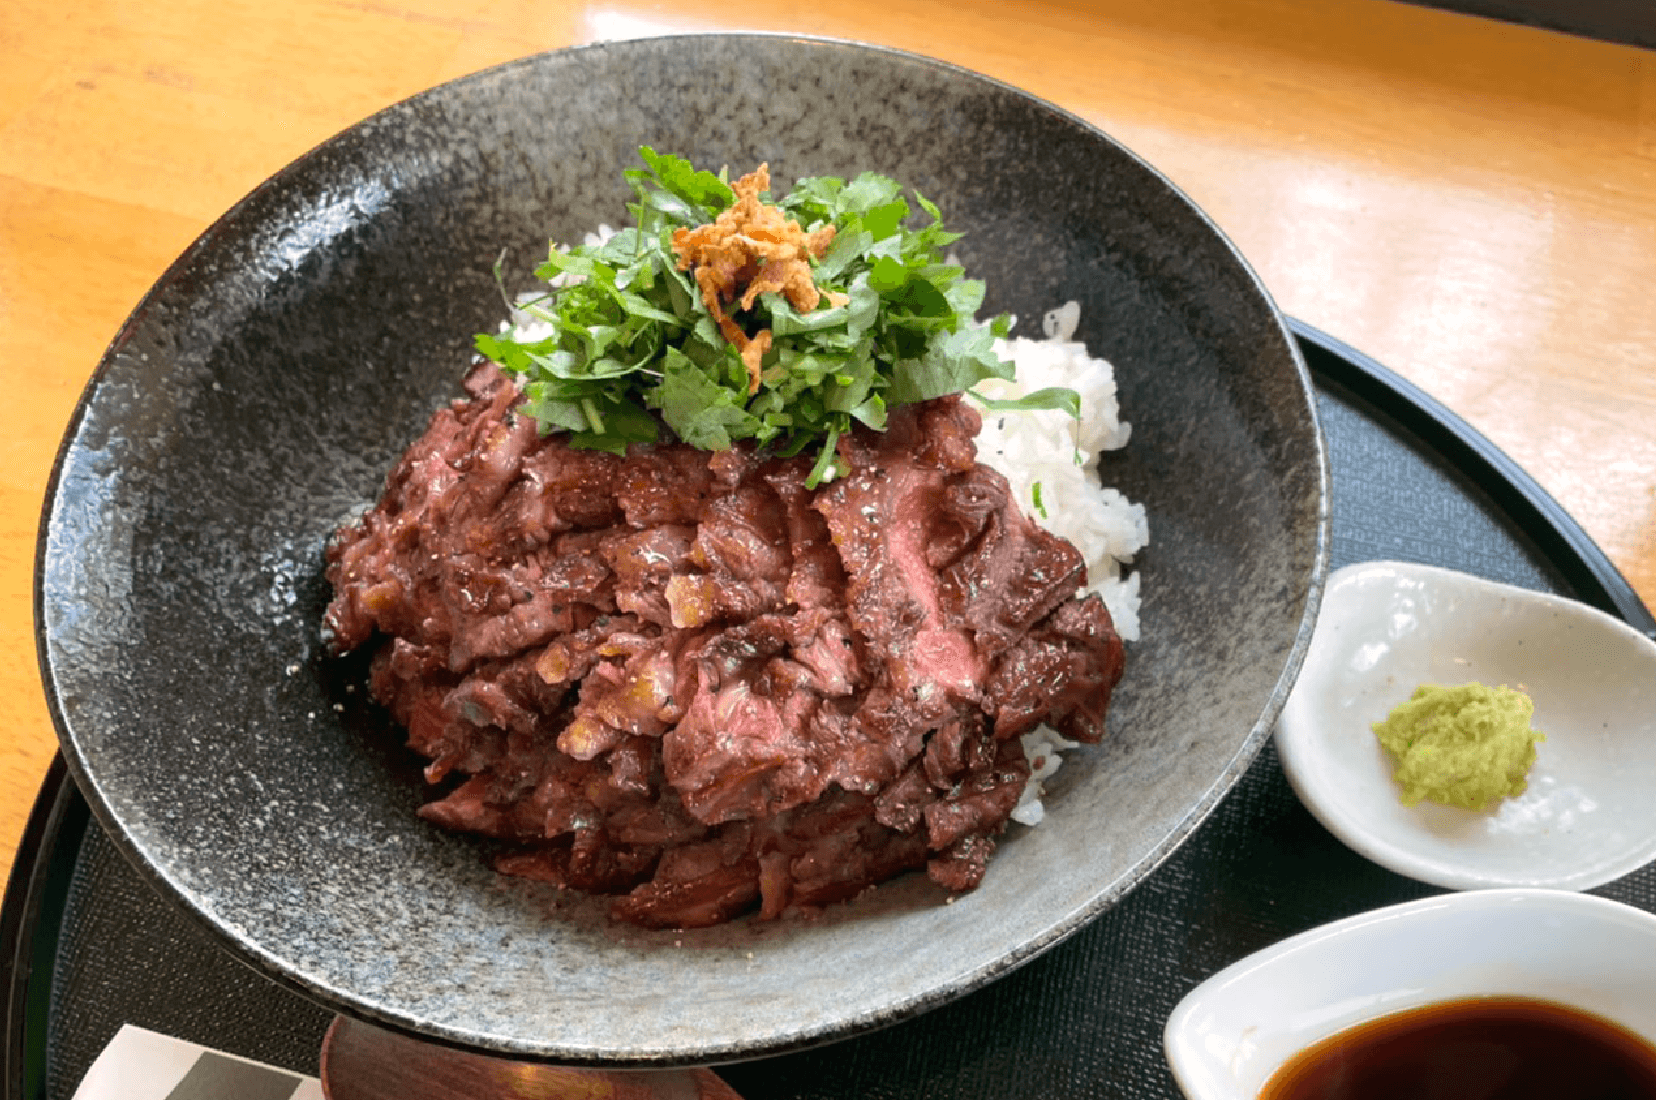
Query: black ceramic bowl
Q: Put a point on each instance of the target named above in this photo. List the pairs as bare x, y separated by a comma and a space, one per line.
262, 389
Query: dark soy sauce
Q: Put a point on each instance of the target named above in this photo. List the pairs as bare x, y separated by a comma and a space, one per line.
1477, 1048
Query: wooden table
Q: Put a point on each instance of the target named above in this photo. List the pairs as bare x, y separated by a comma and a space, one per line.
1472, 203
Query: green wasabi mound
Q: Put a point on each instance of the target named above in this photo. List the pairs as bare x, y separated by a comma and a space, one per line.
1470, 745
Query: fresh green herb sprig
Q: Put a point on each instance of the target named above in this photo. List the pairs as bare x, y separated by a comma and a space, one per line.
630, 340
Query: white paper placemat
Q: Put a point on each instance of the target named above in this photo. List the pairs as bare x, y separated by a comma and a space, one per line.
143, 1065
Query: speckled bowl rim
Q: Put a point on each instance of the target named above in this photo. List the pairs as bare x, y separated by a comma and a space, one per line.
279, 969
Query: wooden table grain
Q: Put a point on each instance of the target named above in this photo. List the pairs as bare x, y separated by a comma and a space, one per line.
1472, 203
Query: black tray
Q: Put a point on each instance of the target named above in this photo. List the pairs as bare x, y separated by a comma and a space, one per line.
86, 945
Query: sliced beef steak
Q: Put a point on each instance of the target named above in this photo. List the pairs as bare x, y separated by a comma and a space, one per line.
696, 683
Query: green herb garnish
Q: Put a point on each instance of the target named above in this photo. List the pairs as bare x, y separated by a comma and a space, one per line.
632, 337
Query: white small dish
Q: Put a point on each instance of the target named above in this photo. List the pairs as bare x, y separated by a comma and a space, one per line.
1230, 1034
1589, 812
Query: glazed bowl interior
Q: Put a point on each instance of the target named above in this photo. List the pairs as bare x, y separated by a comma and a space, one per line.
262, 389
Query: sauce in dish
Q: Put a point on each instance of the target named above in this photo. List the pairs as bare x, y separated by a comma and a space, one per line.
1474, 1048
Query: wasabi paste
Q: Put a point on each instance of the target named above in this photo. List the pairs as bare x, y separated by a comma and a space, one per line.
1470, 745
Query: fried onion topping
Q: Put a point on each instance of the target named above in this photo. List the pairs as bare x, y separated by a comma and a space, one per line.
750, 249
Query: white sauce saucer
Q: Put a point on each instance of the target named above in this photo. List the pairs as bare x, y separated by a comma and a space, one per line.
1589, 813
1230, 1034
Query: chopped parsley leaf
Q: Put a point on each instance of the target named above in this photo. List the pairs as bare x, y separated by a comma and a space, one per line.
630, 343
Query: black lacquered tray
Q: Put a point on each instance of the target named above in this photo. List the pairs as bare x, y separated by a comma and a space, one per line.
86, 945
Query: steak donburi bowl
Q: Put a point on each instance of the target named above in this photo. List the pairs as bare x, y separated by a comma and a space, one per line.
262, 390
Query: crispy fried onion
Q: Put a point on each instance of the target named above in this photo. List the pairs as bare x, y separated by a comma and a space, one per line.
752, 249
